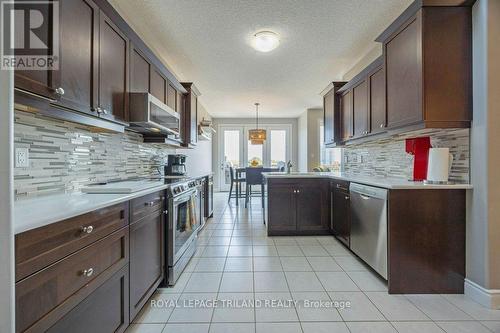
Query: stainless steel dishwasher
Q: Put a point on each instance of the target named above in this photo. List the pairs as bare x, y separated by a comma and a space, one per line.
369, 225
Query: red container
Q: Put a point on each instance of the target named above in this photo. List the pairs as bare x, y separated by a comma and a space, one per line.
419, 147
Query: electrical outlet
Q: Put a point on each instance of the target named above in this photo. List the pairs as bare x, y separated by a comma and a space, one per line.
22, 158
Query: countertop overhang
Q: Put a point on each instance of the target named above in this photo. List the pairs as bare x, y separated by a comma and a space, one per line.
383, 182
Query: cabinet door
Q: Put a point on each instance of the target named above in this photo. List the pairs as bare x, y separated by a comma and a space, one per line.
328, 105
139, 72
158, 85
78, 58
146, 259
281, 207
105, 310
194, 119
360, 108
346, 115
113, 70
312, 205
377, 101
404, 76
171, 96
341, 216
40, 82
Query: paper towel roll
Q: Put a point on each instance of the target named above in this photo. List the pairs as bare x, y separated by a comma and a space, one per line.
439, 165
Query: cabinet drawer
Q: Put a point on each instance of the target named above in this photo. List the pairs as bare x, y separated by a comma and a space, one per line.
44, 297
143, 206
104, 311
38, 248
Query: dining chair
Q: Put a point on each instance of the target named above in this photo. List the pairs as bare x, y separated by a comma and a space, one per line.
254, 177
236, 182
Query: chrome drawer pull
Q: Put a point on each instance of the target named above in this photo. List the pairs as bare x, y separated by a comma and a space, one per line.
347, 197
60, 91
88, 272
87, 229
150, 204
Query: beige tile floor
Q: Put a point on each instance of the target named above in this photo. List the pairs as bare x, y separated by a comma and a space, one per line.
237, 262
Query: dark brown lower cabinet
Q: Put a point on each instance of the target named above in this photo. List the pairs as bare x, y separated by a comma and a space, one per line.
106, 310
298, 206
146, 259
45, 297
341, 214
312, 206
281, 207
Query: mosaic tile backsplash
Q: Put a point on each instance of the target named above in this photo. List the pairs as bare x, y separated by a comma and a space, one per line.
387, 157
65, 156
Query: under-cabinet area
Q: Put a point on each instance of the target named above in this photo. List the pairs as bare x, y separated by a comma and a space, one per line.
397, 229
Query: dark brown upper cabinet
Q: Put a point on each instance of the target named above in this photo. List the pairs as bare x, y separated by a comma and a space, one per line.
40, 82
346, 121
362, 103
139, 71
376, 96
158, 85
190, 114
428, 67
113, 71
171, 96
98, 68
78, 55
331, 116
360, 108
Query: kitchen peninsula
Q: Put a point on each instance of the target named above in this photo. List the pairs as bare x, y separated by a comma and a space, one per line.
410, 233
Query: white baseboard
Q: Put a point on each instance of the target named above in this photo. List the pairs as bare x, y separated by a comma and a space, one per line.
489, 298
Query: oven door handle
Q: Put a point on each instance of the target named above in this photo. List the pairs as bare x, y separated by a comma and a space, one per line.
183, 197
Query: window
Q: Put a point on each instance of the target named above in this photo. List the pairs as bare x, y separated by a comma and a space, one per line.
330, 158
255, 153
278, 147
232, 147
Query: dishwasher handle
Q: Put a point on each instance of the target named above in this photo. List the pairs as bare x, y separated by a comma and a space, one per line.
368, 192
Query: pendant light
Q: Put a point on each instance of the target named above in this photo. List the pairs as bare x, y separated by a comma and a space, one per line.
257, 136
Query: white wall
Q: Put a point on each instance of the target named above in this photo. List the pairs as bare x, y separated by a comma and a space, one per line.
483, 211
199, 159
302, 142
6, 201
308, 134
314, 116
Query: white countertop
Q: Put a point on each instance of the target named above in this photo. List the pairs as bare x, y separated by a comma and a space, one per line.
31, 213
389, 183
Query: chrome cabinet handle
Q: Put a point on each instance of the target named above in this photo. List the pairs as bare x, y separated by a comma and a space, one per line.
59, 91
88, 229
149, 204
347, 197
382, 125
165, 212
104, 111
98, 109
88, 272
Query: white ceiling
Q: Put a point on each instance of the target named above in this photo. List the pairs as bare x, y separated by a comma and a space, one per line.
207, 42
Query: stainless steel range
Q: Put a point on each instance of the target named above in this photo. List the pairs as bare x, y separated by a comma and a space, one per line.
183, 224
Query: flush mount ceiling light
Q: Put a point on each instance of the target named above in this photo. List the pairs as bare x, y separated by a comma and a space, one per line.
266, 41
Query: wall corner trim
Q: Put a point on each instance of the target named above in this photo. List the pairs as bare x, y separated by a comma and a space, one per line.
489, 298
